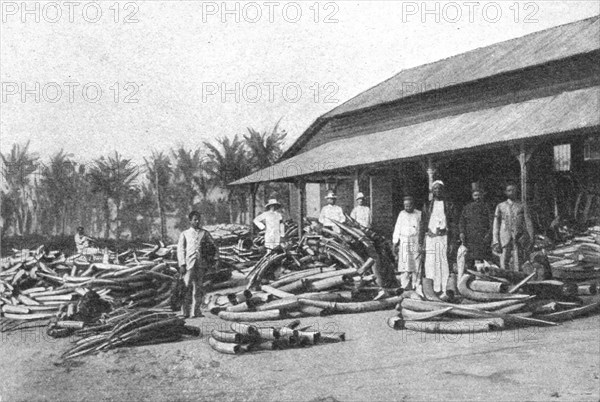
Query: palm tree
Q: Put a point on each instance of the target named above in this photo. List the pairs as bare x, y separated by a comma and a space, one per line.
139, 212
189, 172
190, 181
265, 150
19, 169
159, 173
227, 162
59, 190
112, 178
87, 202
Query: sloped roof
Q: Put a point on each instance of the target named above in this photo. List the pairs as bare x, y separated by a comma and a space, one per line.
537, 48
497, 126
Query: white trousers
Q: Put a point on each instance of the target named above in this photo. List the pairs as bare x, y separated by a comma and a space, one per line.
436, 261
408, 280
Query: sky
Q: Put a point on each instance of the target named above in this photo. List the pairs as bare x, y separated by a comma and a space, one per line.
138, 76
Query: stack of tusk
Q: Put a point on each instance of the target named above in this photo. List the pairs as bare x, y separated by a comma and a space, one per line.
244, 338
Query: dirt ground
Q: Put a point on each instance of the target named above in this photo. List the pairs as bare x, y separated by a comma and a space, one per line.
375, 363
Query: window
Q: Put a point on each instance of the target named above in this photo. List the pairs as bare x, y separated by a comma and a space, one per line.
591, 149
562, 158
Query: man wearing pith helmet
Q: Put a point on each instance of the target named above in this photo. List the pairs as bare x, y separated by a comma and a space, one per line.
331, 212
271, 221
361, 213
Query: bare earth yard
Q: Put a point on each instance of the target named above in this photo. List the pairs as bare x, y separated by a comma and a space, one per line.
375, 363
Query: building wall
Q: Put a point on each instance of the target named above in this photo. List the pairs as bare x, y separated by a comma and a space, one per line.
382, 203
313, 200
293, 211
345, 195
591, 169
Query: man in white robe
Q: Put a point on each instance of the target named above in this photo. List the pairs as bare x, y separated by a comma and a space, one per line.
406, 243
438, 237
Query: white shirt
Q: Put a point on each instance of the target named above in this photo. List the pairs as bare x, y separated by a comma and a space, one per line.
188, 247
438, 217
407, 225
331, 212
362, 214
81, 242
272, 223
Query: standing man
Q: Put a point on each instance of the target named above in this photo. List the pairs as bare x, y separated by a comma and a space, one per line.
475, 227
513, 230
331, 212
196, 253
361, 213
406, 243
438, 236
271, 221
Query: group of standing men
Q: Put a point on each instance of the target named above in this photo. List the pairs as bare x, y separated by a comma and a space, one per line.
426, 238
430, 238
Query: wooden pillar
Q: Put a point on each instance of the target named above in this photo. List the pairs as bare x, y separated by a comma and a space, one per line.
404, 181
253, 189
301, 187
356, 183
371, 200
523, 155
431, 170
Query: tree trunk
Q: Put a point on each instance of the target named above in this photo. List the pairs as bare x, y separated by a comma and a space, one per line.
118, 223
230, 205
161, 212
19, 225
253, 190
21, 219
64, 220
106, 219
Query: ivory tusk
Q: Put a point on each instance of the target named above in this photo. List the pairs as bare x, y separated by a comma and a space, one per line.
251, 315
411, 315
487, 286
229, 348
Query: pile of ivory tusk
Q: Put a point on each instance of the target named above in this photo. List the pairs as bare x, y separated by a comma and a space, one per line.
240, 256
124, 327
493, 301
227, 233
38, 285
245, 338
324, 273
244, 255
579, 258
